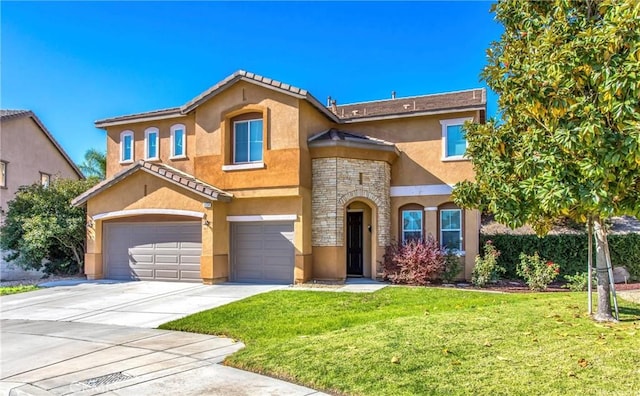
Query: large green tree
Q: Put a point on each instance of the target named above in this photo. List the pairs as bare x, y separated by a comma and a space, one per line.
94, 164
568, 142
41, 225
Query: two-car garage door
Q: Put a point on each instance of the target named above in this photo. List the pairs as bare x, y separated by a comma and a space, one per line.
153, 251
261, 252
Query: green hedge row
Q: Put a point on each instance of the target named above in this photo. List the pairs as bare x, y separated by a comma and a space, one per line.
567, 250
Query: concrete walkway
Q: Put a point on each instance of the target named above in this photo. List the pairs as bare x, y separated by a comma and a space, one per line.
630, 295
61, 358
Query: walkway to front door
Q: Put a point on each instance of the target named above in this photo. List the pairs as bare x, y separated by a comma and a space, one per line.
354, 244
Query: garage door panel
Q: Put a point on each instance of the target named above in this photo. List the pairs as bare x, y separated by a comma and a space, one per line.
161, 251
262, 252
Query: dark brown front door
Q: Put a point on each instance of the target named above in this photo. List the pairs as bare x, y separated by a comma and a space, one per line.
354, 243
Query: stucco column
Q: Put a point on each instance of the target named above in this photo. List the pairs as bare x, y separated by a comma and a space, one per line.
206, 258
472, 240
431, 222
93, 254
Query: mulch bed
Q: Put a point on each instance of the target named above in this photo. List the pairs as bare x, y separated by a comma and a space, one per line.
521, 287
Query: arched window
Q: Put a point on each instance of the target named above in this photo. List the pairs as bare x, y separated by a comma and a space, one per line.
151, 146
126, 147
411, 223
178, 141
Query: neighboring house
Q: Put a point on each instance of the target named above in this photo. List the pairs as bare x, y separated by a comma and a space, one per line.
255, 180
28, 154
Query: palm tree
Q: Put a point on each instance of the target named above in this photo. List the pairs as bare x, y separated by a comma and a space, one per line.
94, 164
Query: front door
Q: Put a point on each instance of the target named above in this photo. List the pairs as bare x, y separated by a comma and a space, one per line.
354, 244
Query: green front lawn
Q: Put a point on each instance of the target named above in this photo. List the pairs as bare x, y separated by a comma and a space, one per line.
413, 341
16, 289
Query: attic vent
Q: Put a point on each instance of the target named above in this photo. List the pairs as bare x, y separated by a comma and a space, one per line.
354, 112
406, 106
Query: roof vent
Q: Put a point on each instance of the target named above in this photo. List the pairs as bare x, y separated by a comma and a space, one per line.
354, 112
406, 106
334, 107
393, 94
329, 101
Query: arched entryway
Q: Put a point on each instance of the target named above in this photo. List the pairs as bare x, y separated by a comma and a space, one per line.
360, 238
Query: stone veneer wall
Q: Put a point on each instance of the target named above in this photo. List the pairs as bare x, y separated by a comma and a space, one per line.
336, 181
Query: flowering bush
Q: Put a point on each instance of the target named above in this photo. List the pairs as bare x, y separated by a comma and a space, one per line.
537, 272
486, 267
415, 262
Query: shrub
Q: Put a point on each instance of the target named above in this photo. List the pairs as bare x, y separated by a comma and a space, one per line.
579, 281
486, 267
415, 262
452, 267
537, 272
569, 251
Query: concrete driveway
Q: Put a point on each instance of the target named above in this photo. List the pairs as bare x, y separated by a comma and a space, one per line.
98, 338
137, 304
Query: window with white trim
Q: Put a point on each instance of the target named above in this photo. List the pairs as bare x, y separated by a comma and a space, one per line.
151, 146
3, 174
454, 143
451, 229
45, 179
126, 147
247, 141
178, 141
411, 225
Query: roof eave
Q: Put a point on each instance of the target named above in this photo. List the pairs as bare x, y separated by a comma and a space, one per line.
412, 114
108, 122
390, 148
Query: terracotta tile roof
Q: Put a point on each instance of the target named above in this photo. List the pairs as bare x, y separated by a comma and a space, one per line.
162, 171
334, 137
6, 115
471, 99
219, 87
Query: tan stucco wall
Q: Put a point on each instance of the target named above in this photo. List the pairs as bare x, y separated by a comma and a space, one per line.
28, 151
420, 142
164, 127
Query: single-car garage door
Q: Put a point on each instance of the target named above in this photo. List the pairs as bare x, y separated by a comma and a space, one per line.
262, 252
153, 251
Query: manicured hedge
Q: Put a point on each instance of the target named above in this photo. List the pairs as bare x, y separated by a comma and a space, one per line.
568, 250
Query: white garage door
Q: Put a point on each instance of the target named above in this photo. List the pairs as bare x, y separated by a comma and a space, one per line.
262, 252
153, 251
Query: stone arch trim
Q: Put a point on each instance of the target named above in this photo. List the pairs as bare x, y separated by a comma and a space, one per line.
381, 211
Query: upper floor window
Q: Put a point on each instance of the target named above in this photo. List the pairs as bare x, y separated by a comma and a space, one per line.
126, 147
151, 143
247, 141
45, 179
454, 143
411, 225
451, 229
3, 174
178, 141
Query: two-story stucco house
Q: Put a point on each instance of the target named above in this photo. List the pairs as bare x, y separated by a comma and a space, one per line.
28, 154
255, 180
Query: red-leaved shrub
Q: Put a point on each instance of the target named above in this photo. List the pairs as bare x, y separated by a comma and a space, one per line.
415, 262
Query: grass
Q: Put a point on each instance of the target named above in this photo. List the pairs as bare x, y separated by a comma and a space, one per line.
16, 289
409, 341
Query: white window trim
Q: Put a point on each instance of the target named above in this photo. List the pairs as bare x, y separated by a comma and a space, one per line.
445, 124
421, 223
43, 176
174, 128
249, 146
3, 175
148, 132
459, 250
123, 134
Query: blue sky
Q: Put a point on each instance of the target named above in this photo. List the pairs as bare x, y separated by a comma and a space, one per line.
76, 62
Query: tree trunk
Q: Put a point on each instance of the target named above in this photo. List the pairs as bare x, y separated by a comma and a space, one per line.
603, 314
